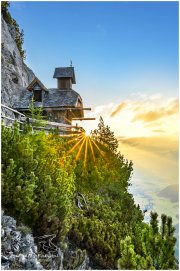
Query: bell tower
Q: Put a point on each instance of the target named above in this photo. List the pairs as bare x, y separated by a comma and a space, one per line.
65, 77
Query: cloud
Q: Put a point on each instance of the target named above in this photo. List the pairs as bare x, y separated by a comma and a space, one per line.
155, 157
118, 109
149, 116
173, 106
161, 145
158, 131
138, 116
157, 113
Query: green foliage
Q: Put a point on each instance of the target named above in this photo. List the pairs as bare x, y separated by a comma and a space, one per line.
128, 259
36, 114
104, 136
112, 228
36, 187
75, 260
103, 226
154, 222
24, 230
19, 38
41, 178
159, 244
4, 11
106, 171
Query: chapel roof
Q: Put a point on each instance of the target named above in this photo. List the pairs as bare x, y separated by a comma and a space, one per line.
65, 72
34, 82
51, 98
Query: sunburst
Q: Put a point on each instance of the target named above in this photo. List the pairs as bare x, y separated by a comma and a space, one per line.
85, 154
84, 145
80, 149
91, 147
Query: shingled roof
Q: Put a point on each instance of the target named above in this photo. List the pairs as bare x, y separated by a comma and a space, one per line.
65, 72
51, 98
34, 82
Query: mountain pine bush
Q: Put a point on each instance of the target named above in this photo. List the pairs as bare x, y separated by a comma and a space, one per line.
44, 177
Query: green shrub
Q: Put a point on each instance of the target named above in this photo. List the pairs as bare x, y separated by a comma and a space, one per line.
36, 186
19, 38
43, 178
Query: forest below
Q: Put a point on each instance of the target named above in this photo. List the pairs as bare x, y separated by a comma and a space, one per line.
77, 189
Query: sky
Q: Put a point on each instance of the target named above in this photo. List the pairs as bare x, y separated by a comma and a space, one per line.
123, 53
116, 47
125, 56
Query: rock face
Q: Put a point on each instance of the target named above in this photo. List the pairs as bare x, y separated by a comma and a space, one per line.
18, 248
15, 75
19, 251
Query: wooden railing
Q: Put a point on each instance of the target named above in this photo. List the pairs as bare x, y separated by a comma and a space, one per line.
17, 114
64, 129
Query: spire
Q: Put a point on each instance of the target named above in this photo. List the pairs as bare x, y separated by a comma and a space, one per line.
70, 63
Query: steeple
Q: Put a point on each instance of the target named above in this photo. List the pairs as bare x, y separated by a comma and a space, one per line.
65, 77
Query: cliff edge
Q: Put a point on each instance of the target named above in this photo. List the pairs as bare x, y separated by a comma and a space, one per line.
14, 72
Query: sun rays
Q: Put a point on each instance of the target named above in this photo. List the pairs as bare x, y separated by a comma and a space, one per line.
98, 148
80, 149
84, 147
91, 147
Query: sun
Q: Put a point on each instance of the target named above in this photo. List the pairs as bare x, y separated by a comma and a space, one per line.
88, 132
84, 146
88, 127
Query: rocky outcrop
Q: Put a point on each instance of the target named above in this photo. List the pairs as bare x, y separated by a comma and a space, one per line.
18, 250
70, 258
15, 75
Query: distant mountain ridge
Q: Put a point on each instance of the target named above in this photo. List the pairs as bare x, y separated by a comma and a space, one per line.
171, 192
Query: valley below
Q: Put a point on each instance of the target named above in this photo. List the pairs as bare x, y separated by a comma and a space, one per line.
154, 183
